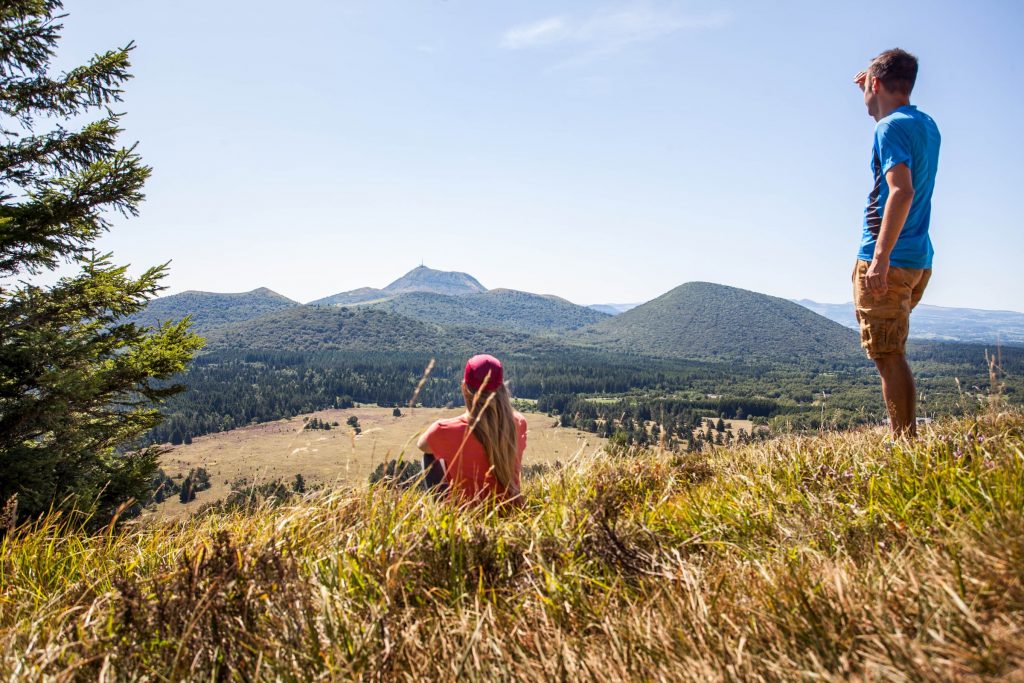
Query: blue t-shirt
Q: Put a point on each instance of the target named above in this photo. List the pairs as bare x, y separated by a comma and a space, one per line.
906, 136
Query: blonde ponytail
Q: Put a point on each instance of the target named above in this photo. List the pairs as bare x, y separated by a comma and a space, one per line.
493, 423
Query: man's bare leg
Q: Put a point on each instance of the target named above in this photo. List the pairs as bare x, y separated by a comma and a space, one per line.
899, 393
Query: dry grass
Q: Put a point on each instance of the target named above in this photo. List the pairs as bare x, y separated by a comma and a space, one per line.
337, 457
833, 557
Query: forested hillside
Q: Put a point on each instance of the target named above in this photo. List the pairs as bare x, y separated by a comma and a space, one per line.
355, 296
210, 309
701, 320
332, 328
497, 309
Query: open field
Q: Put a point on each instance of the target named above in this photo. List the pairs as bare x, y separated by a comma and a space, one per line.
734, 425
283, 449
834, 557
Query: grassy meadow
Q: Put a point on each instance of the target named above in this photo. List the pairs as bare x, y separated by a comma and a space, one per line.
339, 456
828, 557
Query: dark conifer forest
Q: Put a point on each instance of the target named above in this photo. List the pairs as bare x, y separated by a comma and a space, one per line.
228, 389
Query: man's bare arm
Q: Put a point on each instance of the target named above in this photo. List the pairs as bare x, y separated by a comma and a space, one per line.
897, 208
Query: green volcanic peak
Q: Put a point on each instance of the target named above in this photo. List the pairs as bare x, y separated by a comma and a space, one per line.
319, 328
365, 329
419, 279
212, 309
706, 321
353, 297
497, 309
423, 279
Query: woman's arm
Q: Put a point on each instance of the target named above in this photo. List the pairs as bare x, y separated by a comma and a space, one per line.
434, 472
433, 467
422, 444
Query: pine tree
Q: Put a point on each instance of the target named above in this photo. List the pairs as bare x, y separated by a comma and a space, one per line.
187, 494
78, 383
200, 479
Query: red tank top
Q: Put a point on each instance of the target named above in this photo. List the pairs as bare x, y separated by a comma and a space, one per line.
468, 472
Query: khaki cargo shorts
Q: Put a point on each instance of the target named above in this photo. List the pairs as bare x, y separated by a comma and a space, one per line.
885, 320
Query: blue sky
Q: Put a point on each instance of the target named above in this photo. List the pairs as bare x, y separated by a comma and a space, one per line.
601, 151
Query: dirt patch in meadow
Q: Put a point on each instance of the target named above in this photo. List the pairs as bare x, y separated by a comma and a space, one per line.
282, 449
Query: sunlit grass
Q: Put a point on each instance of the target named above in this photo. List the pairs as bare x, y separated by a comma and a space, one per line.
833, 556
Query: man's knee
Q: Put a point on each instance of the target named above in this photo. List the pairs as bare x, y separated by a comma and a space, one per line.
890, 362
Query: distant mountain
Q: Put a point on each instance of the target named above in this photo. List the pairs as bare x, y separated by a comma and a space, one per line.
423, 279
705, 321
612, 309
356, 296
419, 279
840, 313
698, 320
939, 323
332, 328
496, 309
212, 309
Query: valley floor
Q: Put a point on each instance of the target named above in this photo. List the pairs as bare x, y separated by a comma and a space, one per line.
338, 456
828, 557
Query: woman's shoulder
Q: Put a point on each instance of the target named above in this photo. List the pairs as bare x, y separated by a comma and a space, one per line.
449, 423
520, 419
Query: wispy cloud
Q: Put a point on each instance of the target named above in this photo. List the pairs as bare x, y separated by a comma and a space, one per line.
543, 32
608, 30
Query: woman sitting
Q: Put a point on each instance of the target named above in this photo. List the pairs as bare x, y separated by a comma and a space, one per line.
479, 454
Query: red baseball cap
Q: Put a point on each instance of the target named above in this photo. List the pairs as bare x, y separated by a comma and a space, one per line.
483, 368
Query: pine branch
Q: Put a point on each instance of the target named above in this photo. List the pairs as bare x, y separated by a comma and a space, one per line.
93, 85
90, 371
28, 34
61, 221
27, 161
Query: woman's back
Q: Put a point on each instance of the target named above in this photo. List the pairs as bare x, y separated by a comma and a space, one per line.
468, 471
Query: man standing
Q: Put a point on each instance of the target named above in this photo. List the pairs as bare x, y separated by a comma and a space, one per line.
895, 258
